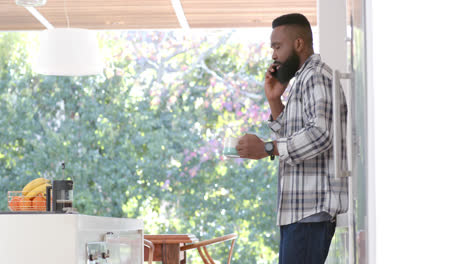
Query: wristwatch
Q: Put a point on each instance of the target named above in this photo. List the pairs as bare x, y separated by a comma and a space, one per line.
270, 148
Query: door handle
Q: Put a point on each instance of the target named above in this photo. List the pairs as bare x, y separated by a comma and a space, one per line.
337, 129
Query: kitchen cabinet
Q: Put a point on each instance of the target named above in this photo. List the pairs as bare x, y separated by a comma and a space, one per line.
68, 238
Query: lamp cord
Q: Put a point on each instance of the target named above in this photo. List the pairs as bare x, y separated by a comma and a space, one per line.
66, 12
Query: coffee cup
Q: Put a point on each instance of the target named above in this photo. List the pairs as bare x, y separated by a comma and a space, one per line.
230, 144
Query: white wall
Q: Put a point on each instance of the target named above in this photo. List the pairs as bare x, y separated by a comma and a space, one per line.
331, 17
420, 84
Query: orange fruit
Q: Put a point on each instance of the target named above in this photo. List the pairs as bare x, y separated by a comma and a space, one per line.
39, 203
25, 204
15, 203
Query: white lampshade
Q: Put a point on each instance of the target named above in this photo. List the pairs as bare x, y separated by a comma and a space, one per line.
68, 52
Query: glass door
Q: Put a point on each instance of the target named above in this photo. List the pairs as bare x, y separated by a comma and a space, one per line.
357, 58
350, 244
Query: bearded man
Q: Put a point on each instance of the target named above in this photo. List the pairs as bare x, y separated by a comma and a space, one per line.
309, 195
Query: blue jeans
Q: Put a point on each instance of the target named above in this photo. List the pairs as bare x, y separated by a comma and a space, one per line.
305, 243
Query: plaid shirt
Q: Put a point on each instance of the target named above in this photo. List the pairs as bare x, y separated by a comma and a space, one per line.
306, 180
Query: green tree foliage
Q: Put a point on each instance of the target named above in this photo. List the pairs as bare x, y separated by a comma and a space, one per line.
144, 139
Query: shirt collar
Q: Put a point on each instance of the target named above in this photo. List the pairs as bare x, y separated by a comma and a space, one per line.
310, 62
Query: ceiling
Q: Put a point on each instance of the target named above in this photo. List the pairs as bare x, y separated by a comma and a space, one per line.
153, 14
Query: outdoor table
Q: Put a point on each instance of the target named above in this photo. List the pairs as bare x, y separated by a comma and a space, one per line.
167, 247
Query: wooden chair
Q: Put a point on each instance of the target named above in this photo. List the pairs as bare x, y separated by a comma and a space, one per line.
202, 245
150, 247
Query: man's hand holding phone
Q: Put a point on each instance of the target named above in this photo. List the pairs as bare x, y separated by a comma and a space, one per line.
273, 90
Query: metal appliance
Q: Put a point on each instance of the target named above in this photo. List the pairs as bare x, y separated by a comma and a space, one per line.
62, 196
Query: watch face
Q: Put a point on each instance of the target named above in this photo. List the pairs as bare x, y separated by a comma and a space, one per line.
269, 146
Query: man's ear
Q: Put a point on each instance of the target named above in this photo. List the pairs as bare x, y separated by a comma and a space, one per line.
299, 45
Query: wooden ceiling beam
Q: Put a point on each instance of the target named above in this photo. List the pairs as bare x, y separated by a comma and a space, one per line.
153, 14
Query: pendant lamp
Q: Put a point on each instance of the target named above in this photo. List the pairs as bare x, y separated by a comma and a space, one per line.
64, 51
68, 52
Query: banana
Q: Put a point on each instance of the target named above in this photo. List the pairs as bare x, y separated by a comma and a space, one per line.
33, 184
39, 189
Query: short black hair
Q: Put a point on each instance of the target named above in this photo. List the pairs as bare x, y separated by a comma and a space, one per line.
300, 22
291, 19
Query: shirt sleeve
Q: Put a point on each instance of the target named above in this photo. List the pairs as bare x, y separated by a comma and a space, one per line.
276, 125
315, 137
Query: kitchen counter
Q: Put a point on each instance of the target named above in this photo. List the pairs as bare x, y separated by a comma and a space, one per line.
63, 238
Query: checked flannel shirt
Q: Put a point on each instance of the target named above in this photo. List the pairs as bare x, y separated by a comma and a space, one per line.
306, 180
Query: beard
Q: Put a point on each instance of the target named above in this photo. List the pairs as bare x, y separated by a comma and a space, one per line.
287, 69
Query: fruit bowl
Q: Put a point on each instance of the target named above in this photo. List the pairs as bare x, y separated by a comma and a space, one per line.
18, 202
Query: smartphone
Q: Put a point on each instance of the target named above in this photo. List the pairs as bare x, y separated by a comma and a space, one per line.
275, 73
